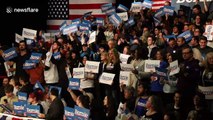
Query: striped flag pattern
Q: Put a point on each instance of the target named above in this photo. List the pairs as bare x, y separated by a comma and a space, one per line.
67, 10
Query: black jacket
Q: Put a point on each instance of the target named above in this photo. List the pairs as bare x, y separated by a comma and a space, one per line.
56, 110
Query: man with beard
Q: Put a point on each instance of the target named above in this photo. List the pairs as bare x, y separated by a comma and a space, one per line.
23, 55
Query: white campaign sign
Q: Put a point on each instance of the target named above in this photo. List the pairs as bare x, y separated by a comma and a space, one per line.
123, 16
78, 72
124, 58
207, 91
151, 64
92, 37
209, 32
126, 67
18, 38
29, 33
92, 66
174, 69
107, 78
124, 77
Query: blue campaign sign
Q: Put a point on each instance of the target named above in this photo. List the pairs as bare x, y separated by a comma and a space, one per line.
147, 4
76, 21
168, 10
131, 21
70, 29
32, 110
187, 35
22, 96
9, 54
161, 72
38, 85
106, 6
28, 65
63, 25
74, 83
59, 89
19, 107
69, 113
81, 113
169, 36
84, 27
122, 8
115, 19
110, 11
100, 21
159, 13
35, 57
57, 55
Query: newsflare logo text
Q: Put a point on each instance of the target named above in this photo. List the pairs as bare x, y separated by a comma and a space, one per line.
21, 10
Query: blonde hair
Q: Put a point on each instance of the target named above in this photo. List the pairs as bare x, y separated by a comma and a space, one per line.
106, 55
116, 56
205, 62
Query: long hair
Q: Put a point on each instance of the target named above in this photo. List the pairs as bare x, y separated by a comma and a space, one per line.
206, 63
116, 56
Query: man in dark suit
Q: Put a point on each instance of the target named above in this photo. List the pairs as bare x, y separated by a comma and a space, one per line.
56, 109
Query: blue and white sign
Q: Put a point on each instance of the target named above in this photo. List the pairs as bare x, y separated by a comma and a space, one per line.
38, 85
84, 27
76, 21
105, 7
28, 65
74, 83
147, 4
131, 21
168, 10
159, 13
122, 8
35, 57
100, 21
32, 110
115, 20
69, 113
22, 96
169, 36
70, 29
187, 35
9, 54
161, 72
110, 11
81, 113
19, 107
63, 25
57, 55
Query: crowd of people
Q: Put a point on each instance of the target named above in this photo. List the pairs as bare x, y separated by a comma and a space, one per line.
147, 96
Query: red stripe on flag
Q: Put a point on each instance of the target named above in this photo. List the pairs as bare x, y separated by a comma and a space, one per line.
85, 6
53, 27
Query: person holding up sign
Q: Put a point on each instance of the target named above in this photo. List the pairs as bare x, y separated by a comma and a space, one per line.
35, 99
113, 66
138, 63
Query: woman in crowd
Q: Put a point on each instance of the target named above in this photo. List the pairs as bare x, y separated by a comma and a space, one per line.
35, 98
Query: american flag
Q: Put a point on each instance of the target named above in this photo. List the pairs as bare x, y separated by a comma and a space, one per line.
60, 10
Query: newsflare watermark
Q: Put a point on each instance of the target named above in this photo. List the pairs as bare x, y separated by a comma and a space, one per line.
21, 10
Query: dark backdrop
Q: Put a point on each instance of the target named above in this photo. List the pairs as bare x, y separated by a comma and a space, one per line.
12, 23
